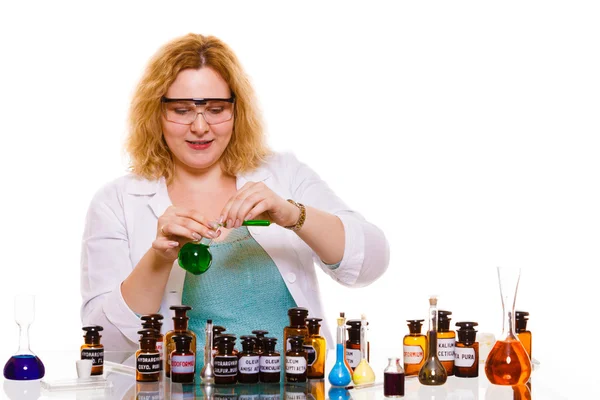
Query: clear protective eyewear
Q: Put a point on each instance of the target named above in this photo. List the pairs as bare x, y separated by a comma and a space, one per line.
185, 111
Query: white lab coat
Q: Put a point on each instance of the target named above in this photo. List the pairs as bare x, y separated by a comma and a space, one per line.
121, 224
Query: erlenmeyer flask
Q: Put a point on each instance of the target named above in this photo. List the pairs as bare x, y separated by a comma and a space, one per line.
24, 365
508, 362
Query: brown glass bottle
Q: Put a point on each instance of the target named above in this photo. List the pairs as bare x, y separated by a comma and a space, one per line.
92, 349
147, 358
258, 348
297, 325
180, 326
353, 355
270, 362
225, 361
316, 349
154, 321
521, 318
446, 341
295, 360
183, 360
248, 361
217, 331
466, 352
414, 347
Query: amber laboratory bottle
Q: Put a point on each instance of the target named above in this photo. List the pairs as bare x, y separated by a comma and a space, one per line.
183, 360
92, 349
446, 339
297, 325
521, 318
414, 346
270, 362
248, 361
432, 372
295, 360
154, 321
316, 349
217, 331
466, 353
225, 361
180, 326
353, 355
147, 358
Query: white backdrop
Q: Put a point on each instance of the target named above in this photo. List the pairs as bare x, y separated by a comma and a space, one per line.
467, 132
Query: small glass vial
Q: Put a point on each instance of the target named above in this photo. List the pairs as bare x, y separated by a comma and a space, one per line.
270, 362
92, 349
446, 341
521, 318
466, 353
248, 361
316, 349
260, 334
414, 346
154, 321
297, 325
226, 361
353, 355
393, 379
183, 360
147, 358
295, 360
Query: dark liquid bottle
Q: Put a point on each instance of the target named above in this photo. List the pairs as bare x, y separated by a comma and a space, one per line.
183, 360
353, 355
154, 321
270, 362
297, 325
249, 361
393, 379
92, 349
260, 334
225, 361
295, 360
432, 372
147, 358
466, 353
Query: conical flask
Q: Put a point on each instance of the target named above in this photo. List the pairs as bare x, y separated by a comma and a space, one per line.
508, 362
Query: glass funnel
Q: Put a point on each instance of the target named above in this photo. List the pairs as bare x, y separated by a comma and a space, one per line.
508, 362
24, 365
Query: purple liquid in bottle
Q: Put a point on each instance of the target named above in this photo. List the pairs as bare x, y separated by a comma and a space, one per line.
393, 384
24, 367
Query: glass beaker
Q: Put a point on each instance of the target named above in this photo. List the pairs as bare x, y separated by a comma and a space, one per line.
24, 365
508, 362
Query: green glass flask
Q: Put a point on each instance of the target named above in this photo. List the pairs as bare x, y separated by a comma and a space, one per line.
195, 258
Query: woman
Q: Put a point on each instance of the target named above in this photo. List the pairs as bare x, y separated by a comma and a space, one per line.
198, 159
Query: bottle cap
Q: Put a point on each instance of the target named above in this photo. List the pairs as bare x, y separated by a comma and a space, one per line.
466, 333
296, 342
313, 325
269, 343
521, 318
259, 333
226, 343
353, 327
92, 332
414, 325
444, 320
180, 311
248, 343
182, 342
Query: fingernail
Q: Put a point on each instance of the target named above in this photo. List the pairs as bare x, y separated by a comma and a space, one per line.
211, 234
248, 217
229, 223
237, 223
221, 219
173, 244
196, 236
218, 233
215, 225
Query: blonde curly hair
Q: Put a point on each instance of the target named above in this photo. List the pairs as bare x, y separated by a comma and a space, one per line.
149, 153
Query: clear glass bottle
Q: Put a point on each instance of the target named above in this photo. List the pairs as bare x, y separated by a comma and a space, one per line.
508, 362
393, 379
432, 372
446, 339
414, 347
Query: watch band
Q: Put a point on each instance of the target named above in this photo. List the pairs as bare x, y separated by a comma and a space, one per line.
298, 225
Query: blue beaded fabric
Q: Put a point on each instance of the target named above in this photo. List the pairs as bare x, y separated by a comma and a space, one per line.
242, 291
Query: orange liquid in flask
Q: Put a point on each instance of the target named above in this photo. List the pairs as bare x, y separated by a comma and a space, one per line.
508, 363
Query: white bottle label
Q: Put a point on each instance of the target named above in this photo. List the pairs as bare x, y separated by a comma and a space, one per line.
94, 354
249, 365
270, 364
464, 356
225, 365
295, 365
446, 349
183, 364
148, 363
413, 355
353, 357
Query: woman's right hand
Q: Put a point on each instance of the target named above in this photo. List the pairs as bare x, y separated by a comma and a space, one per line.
178, 226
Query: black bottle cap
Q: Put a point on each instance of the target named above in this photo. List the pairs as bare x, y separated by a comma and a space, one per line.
444, 320
218, 329
226, 343
298, 312
313, 325
152, 321
521, 318
182, 343
260, 334
180, 311
466, 332
414, 325
92, 332
353, 327
248, 343
149, 332
296, 343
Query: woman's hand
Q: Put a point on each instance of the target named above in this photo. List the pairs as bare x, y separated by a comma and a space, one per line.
178, 226
255, 200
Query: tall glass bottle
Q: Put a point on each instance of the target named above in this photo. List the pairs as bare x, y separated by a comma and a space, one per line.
147, 358
297, 326
432, 372
521, 329
340, 374
180, 327
508, 362
207, 372
414, 346
316, 349
154, 321
446, 339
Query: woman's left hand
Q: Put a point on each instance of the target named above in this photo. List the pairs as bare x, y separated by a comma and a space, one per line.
254, 199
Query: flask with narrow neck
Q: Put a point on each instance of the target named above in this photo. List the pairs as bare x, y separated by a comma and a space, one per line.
340, 374
363, 373
432, 372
